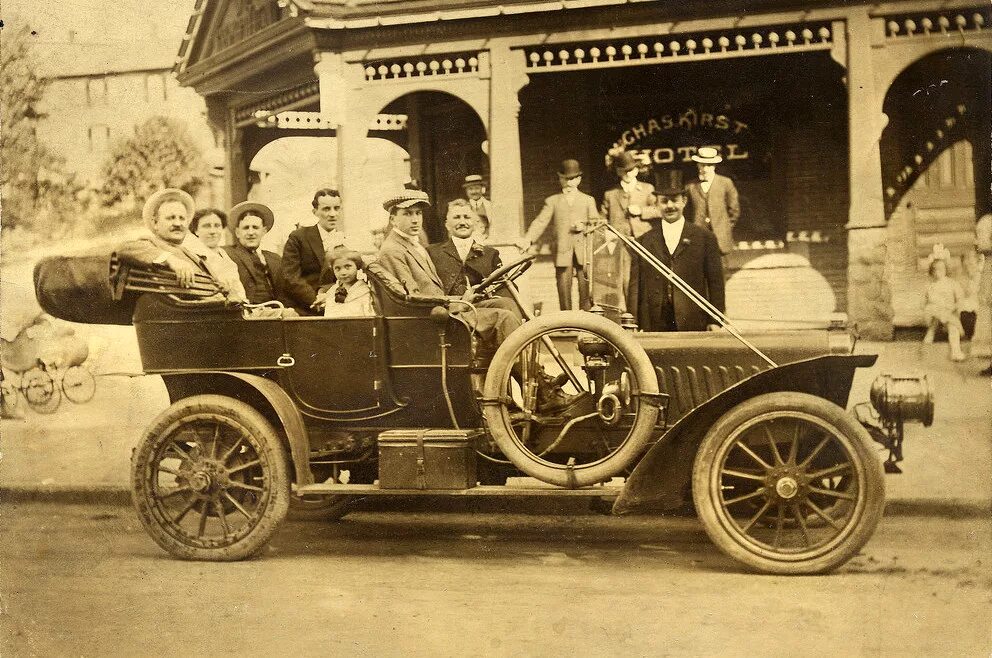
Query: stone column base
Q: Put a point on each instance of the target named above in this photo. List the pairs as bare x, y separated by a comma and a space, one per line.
869, 298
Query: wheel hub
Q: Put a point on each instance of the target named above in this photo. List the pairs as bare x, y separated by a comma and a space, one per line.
200, 481
787, 487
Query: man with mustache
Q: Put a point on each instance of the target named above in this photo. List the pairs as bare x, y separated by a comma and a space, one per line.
462, 262
690, 251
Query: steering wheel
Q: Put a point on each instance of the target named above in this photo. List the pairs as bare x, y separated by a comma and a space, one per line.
504, 275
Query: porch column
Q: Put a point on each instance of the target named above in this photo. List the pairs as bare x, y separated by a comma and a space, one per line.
869, 296
337, 95
508, 76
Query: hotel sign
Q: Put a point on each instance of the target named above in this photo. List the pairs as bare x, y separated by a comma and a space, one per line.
674, 137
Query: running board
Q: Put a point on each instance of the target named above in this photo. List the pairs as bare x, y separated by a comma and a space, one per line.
599, 491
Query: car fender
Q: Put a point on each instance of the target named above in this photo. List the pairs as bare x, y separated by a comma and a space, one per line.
661, 480
181, 385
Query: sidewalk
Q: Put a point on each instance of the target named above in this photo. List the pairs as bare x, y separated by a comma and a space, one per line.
82, 452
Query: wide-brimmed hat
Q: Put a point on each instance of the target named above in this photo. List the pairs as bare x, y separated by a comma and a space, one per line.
260, 210
474, 179
707, 155
151, 207
406, 199
570, 169
625, 162
669, 182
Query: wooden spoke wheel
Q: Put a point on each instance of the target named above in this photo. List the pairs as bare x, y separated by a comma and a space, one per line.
41, 391
571, 399
210, 479
788, 483
78, 384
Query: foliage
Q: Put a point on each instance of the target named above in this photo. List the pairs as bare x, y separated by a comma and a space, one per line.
160, 154
37, 192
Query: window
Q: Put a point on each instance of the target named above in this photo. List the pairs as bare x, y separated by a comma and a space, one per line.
96, 91
155, 90
99, 138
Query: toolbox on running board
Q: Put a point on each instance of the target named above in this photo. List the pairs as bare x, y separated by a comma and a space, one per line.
427, 459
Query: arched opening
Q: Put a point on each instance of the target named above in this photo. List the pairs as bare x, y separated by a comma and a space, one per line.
441, 140
286, 172
783, 137
935, 154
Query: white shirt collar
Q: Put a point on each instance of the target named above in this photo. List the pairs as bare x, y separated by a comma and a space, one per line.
463, 245
673, 233
628, 187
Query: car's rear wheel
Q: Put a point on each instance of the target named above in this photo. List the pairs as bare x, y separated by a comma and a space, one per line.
774, 462
578, 441
210, 479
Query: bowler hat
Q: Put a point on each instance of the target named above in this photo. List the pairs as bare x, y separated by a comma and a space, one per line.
473, 179
569, 169
260, 210
625, 162
151, 207
669, 182
706, 155
406, 199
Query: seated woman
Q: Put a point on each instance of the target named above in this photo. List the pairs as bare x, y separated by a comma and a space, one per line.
350, 295
209, 225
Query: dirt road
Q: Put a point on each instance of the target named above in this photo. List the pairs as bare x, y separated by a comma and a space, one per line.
85, 581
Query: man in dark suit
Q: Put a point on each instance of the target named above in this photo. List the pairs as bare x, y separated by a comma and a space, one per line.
260, 271
690, 251
572, 212
463, 263
715, 203
303, 255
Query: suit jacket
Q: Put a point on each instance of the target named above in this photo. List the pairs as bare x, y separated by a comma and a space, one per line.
615, 203
302, 263
456, 275
415, 271
151, 251
718, 210
251, 274
569, 241
697, 260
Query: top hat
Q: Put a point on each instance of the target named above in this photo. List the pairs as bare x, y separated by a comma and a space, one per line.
260, 210
706, 155
151, 207
669, 182
405, 199
570, 169
625, 162
473, 179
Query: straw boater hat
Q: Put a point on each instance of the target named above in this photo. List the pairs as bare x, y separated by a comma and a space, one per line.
669, 182
406, 199
260, 210
570, 169
707, 155
150, 211
474, 179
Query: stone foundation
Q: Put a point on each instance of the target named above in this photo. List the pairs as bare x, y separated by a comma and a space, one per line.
869, 301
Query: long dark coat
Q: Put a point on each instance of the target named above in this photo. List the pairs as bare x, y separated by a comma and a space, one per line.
696, 260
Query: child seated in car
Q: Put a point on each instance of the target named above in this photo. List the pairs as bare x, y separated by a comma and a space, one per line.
350, 295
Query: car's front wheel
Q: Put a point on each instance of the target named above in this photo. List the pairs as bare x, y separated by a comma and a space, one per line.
787, 483
210, 479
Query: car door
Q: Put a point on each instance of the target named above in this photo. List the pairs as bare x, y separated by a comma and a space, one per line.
336, 365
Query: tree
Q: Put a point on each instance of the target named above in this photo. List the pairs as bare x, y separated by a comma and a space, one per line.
36, 190
159, 154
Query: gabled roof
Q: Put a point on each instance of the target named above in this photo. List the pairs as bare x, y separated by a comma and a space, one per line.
363, 14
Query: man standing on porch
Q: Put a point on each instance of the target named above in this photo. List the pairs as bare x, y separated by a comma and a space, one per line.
475, 192
572, 211
715, 204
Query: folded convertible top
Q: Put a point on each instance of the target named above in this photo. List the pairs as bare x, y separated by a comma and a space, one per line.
81, 289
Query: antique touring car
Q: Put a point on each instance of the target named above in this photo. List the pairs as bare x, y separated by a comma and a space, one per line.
751, 432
